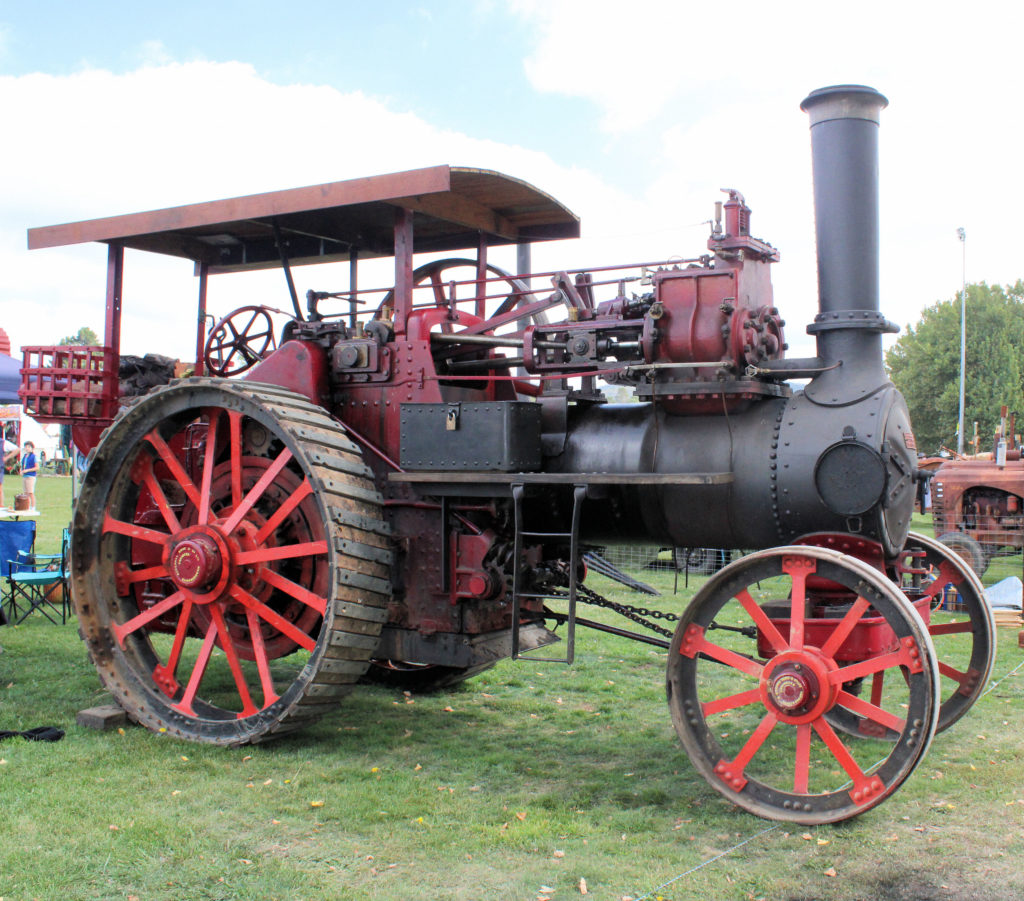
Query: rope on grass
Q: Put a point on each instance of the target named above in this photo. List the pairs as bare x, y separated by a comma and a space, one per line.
993, 685
710, 860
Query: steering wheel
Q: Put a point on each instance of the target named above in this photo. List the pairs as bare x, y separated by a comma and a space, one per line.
239, 341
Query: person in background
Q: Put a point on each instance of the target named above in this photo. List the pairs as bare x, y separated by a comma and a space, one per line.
29, 471
10, 451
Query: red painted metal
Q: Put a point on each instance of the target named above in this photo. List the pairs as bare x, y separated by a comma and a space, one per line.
115, 286
74, 385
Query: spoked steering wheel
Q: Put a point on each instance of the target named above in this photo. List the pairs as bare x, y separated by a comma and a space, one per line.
239, 341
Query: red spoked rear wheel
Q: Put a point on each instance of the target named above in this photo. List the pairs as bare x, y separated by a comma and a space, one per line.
229, 561
758, 666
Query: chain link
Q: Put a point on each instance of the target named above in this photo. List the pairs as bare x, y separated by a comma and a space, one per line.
643, 615
640, 615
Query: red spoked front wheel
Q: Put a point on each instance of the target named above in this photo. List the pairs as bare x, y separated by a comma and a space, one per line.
229, 561
758, 666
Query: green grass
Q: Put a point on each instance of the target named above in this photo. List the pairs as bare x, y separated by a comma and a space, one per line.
530, 775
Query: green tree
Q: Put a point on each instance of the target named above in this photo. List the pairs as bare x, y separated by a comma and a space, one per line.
925, 365
84, 336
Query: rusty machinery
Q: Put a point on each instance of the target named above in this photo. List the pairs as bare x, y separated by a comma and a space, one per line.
399, 487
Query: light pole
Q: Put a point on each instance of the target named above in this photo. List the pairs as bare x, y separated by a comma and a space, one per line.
962, 235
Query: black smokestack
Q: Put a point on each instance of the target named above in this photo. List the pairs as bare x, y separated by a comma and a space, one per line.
844, 146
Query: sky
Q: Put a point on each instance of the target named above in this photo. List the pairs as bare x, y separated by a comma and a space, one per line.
633, 115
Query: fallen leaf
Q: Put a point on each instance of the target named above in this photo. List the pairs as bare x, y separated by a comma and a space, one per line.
807, 836
113, 828
559, 854
823, 841
245, 860
449, 710
521, 815
417, 768
269, 782
176, 791
316, 803
247, 757
547, 889
183, 757
583, 886
831, 871
120, 731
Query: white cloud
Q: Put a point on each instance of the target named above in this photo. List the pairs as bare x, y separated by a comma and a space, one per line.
97, 144
714, 97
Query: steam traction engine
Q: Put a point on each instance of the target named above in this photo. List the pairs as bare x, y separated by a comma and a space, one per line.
400, 486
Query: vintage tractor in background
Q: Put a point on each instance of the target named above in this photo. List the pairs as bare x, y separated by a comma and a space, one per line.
400, 484
978, 502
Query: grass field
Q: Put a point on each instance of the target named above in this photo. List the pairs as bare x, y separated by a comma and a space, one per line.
530, 781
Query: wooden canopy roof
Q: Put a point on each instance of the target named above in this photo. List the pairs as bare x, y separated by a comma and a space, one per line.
451, 208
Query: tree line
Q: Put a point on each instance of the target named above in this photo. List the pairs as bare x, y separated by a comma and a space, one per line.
924, 364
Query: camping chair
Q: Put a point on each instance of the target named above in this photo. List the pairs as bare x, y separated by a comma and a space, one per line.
32, 581
17, 537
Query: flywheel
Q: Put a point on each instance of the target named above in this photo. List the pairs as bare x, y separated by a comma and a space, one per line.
229, 561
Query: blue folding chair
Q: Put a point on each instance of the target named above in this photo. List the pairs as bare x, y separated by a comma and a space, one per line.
32, 584
17, 538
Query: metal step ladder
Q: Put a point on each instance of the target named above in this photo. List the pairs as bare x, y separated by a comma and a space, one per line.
578, 495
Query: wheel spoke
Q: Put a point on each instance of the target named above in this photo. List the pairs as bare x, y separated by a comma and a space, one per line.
174, 466
126, 576
235, 424
179, 637
259, 649
696, 643
149, 479
766, 626
208, 466
198, 671
845, 627
840, 752
254, 494
877, 683
286, 552
753, 744
731, 702
228, 645
802, 761
309, 598
951, 628
133, 531
798, 568
291, 502
871, 712
275, 619
147, 616
961, 678
868, 667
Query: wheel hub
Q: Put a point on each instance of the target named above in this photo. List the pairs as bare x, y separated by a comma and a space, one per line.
791, 689
795, 686
195, 563
199, 563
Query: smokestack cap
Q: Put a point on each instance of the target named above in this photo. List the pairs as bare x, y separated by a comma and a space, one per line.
844, 101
